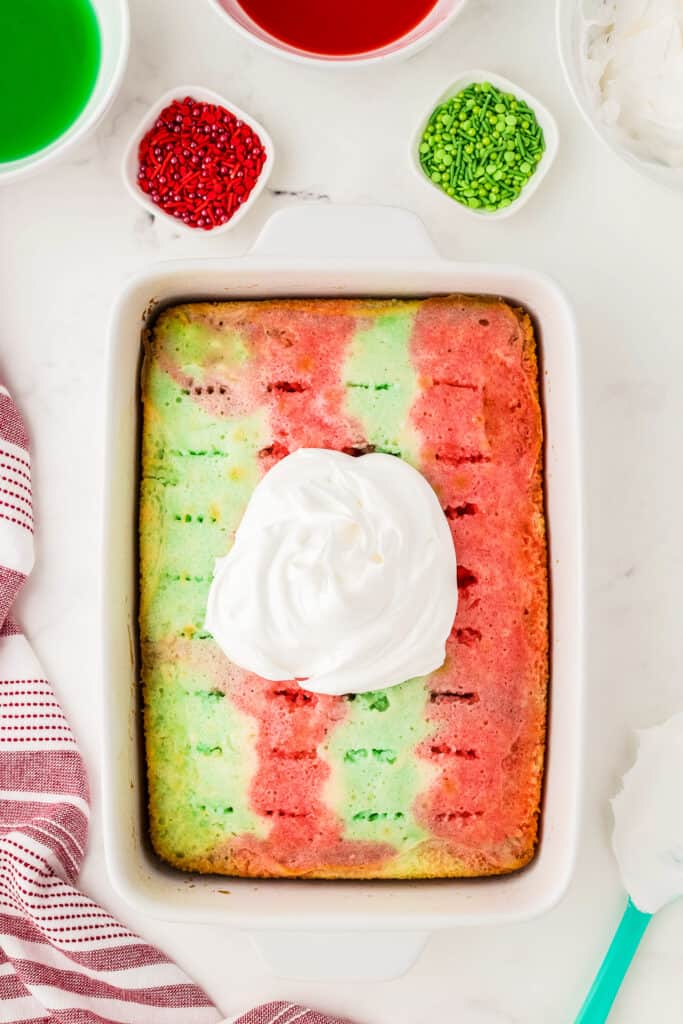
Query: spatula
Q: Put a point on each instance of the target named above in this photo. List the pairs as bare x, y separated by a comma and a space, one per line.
648, 843
613, 969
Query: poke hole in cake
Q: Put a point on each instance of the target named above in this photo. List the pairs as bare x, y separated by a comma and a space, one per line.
438, 776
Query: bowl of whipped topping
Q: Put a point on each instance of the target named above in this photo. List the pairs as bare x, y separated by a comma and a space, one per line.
623, 60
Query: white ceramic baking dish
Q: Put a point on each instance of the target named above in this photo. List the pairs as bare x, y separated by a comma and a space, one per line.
323, 251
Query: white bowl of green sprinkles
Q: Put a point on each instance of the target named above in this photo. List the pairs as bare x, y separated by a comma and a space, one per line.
543, 116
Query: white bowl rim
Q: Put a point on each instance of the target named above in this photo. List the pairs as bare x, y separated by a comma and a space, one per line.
205, 95
81, 126
669, 177
544, 117
366, 59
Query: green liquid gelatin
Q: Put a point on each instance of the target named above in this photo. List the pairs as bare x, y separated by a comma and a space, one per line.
48, 69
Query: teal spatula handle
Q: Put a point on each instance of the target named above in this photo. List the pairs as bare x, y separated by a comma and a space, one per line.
617, 961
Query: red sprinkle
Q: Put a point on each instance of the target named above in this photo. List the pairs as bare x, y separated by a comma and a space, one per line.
199, 163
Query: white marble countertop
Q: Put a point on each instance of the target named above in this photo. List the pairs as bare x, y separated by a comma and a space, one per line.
71, 236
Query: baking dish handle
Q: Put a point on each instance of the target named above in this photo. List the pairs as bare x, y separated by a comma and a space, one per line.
345, 232
340, 956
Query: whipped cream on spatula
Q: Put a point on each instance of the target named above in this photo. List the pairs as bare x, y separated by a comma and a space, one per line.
648, 843
648, 818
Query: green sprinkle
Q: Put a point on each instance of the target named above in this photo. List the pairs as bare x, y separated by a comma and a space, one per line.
481, 147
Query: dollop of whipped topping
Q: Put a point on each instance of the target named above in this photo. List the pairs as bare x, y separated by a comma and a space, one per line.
342, 575
648, 819
632, 54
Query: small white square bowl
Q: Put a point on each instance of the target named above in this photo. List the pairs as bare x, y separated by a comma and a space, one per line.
543, 116
130, 163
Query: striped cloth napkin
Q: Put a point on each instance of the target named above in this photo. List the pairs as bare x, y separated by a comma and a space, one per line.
63, 959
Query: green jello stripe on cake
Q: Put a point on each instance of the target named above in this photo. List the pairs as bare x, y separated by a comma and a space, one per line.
190, 515
381, 383
196, 345
201, 748
375, 775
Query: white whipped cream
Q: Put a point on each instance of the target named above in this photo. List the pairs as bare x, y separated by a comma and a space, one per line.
648, 816
342, 575
632, 53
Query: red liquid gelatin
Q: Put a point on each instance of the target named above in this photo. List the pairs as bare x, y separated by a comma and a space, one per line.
338, 28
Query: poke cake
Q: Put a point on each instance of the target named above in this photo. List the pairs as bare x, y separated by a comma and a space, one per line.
437, 775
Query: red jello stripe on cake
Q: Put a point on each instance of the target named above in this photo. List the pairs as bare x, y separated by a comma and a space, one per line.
287, 788
295, 372
480, 447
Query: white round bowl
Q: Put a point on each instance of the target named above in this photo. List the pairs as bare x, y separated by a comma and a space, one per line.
568, 27
130, 164
543, 116
114, 26
428, 29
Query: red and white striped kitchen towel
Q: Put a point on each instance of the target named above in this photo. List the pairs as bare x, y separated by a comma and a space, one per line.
62, 957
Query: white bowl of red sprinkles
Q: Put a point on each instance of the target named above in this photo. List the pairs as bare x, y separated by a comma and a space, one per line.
197, 160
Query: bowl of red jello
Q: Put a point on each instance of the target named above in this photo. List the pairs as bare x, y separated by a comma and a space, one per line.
340, 32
